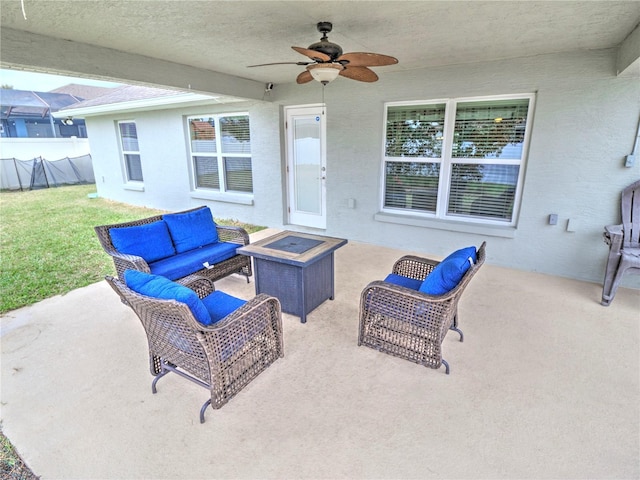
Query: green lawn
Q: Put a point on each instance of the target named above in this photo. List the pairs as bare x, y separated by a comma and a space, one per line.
47, 243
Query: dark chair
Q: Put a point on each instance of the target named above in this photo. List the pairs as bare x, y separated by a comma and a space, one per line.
624, 243
406, 323
223, 357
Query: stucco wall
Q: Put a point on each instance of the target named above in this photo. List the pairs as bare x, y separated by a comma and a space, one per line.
584, 124
163, 143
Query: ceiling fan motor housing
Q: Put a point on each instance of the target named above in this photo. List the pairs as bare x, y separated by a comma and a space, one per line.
324, 45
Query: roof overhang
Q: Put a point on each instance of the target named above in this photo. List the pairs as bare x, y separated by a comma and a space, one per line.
159, 103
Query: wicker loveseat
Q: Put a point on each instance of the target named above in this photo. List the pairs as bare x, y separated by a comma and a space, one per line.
176, 246
239, 340
399, 317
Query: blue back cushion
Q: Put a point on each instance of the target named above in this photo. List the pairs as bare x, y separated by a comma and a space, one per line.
150, 241
191, 230
160, 287
403, 281
220, 304
448, 273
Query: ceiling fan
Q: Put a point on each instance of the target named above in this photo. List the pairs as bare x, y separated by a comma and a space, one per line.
328, 61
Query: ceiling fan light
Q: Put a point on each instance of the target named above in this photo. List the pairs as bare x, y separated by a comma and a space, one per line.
325, 72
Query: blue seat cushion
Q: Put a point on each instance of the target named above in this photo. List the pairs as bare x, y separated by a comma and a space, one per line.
403, 281
160, 287
220, 304
186, 263
190, 230
150, 241
448, 273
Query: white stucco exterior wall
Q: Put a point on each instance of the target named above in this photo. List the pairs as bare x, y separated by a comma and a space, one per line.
584, 124
163, 143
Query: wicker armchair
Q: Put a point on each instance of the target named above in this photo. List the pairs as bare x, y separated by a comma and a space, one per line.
407, 323
123, 262
624, 243
223, 357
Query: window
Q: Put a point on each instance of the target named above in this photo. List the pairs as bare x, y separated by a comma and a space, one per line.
221, 153
130, 151
457, 159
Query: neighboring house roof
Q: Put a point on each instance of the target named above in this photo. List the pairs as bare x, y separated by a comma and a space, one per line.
25, 102
203, 130
82, 92
129, 98
126, 93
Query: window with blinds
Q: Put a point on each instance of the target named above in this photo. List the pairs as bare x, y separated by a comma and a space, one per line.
221, 152
456, 160
130, 151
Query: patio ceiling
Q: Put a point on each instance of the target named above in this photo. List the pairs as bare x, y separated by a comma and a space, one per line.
219, 39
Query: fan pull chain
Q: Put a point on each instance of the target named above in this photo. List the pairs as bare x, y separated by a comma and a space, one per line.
323, 85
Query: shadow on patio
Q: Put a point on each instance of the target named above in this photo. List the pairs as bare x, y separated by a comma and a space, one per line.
545, 385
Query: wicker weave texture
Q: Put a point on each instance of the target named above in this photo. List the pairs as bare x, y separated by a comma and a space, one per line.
407, 323
122, 262
225, 356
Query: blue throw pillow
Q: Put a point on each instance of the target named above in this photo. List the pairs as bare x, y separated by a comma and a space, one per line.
220, 304
150, 241
160, 287
191, 230
448, 273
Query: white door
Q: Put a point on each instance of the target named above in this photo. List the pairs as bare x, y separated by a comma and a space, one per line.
306, 165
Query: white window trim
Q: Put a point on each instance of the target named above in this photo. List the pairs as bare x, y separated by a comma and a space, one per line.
440, 219
223, 194
128, 184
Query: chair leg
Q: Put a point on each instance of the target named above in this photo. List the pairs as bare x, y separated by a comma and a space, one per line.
203, 409
162, 373
613, 262
622, 268
455, 328
446, 366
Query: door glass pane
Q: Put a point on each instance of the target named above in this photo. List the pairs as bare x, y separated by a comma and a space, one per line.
307, 160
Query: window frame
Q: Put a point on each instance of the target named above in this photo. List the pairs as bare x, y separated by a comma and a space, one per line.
124, 153
223, 192
447, 160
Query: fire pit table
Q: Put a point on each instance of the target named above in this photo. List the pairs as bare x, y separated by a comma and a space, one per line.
297, 268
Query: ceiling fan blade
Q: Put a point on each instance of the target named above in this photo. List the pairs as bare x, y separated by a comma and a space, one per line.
363, 59
280, 63
312, 54
362, 74
304, 77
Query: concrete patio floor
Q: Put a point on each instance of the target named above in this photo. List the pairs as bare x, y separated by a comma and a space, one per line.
545, 385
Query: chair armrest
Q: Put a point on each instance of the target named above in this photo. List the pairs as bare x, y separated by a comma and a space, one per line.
260, 319
401, 304
414, 267
228, 233
613, 236
199, 284
123, 262
253, 315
